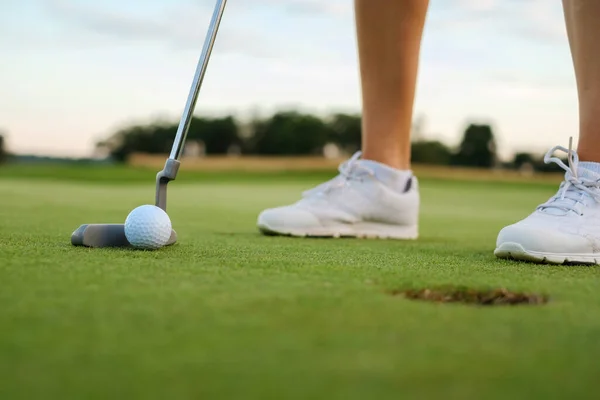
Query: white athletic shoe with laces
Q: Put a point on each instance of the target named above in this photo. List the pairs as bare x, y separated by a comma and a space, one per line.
566, 228
366, 200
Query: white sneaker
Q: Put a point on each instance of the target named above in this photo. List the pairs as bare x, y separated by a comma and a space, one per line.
366, 200
565, 229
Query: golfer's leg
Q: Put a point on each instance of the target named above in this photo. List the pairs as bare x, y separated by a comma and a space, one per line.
389, 40
564, 229
582, 19
376, 196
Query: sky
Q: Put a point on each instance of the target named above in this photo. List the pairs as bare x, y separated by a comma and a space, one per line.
74, 71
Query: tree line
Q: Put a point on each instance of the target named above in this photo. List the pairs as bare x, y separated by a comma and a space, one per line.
291, 133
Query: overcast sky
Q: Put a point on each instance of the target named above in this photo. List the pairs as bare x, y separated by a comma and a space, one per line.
74, 70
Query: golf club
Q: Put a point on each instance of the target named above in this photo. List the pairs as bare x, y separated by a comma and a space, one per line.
113, 235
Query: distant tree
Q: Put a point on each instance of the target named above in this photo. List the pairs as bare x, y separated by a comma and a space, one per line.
289, 133
346, 131
430, 152
132, 139
477, 148
218, 135
521, 159
541, 166
524, 160
254, 131
3, 151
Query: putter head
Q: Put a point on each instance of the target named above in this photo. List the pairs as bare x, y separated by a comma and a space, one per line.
113, 235
106, 235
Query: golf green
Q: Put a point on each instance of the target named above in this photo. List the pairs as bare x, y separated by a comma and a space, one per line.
227, 313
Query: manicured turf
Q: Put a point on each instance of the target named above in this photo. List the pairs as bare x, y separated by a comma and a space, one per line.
227, 313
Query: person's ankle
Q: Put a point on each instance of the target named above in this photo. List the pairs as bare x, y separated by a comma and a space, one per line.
394, 178
401, 164
588, 156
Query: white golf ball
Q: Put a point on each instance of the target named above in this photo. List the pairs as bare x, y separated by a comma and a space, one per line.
148, 227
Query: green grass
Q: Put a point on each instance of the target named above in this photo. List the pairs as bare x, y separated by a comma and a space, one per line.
229, 314
118, 174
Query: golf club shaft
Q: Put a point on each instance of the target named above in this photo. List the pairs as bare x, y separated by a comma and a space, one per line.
186, 118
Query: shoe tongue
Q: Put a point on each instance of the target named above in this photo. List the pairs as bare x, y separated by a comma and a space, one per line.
391, 177
589, 170
585, 170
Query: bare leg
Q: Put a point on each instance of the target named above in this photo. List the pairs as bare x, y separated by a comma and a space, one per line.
389, 41
581, 17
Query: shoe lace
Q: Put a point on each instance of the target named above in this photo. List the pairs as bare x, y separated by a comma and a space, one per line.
574, 189
349, 171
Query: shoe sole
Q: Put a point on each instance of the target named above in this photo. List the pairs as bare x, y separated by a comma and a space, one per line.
514, 251
359, 231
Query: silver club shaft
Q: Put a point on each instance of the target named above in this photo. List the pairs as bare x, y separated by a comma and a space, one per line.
186, 118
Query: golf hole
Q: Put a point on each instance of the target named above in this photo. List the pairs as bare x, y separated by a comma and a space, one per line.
465, 295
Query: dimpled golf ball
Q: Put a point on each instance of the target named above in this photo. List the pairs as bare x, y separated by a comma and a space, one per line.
148, 227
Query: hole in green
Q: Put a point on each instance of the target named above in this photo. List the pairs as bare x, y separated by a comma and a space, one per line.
461, 294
